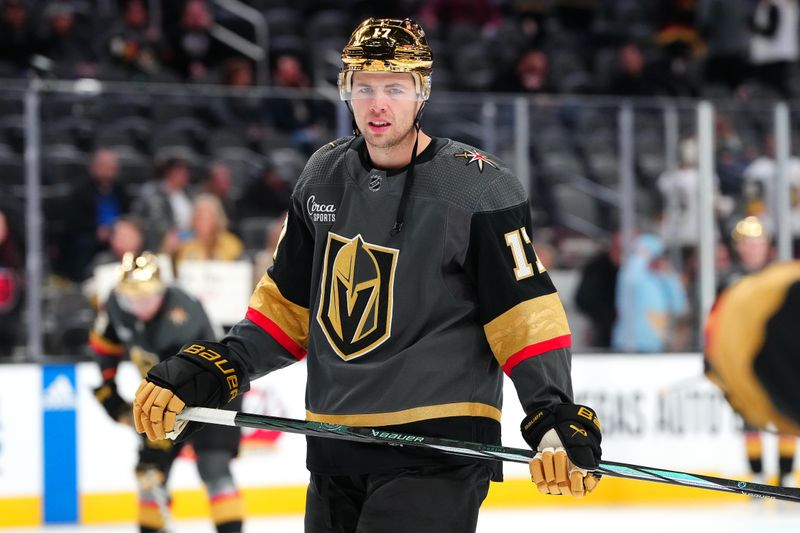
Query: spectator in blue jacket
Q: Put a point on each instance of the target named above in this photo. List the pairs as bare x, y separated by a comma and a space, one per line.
650, 298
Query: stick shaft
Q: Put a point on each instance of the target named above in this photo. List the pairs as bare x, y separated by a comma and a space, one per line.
477, 450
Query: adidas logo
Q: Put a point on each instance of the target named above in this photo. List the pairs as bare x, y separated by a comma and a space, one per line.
60, 394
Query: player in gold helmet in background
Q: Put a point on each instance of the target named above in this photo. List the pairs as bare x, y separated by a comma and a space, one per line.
725, 358
147, 320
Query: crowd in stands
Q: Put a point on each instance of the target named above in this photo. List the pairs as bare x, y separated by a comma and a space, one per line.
743, 48
207, 178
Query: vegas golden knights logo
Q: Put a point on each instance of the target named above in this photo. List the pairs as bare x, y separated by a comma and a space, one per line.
355, 308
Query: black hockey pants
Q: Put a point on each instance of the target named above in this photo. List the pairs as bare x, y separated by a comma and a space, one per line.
442, 499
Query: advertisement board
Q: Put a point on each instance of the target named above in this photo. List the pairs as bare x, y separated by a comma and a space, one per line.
655, 411
20, 430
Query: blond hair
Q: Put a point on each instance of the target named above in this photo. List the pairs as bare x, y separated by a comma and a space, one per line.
208, 199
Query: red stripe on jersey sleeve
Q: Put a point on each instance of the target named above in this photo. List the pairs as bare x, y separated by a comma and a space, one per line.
103, 347
276, 333
564, 341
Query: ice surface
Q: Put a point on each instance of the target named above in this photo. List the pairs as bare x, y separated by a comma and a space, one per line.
743, 516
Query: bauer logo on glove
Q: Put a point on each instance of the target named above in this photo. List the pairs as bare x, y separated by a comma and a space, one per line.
566, 440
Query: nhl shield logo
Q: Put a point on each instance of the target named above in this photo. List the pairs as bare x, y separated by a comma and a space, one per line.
355, 308
375, 182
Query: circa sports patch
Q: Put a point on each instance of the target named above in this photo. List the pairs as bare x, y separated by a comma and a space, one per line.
357, 292
320, 211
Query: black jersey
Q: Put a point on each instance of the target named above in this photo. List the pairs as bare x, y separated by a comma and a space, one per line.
410, 330
117, 332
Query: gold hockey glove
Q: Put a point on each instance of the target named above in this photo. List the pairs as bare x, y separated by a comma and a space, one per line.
155, 409
566, 440
202, 374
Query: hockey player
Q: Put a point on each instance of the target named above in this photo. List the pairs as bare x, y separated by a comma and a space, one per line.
753, 253
753, 349
407, 276
150, 321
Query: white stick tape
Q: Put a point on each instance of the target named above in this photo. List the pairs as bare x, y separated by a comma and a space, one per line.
209, 416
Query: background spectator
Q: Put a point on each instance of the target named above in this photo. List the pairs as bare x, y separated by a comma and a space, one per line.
297, 116
679, 189
774, 44
731, 158
633, 78
17, 35
164, 207
530, 75
243, 112
132, 44
63, 43
211, 239
483, 14
11, 279
192, 50
219, 183
96, 203
126, 236
596, 293
267, 196
650, 299
724, 25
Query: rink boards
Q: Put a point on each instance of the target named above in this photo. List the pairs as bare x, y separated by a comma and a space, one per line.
62, 460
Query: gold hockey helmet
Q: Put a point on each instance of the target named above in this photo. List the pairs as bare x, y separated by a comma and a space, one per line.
749, 227
387, 45
139, 276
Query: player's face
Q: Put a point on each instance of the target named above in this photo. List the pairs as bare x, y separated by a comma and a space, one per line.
143, 306
384, 106
753, 252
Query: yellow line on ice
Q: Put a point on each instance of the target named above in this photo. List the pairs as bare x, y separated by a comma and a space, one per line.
100, 508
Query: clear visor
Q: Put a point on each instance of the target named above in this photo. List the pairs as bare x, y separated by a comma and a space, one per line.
373, 87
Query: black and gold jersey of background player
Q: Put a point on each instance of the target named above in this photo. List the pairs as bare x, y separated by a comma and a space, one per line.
753, 348
411, 330
117, 332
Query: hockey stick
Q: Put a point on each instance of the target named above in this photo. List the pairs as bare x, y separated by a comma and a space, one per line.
473, 449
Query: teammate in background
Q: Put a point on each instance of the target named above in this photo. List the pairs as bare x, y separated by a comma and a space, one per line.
753, 254
407, 274
150, 321
753, 349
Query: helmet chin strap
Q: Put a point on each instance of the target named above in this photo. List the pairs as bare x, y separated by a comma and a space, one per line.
401, 209
356, 131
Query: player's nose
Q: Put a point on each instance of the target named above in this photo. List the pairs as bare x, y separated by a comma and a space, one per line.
377, 106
